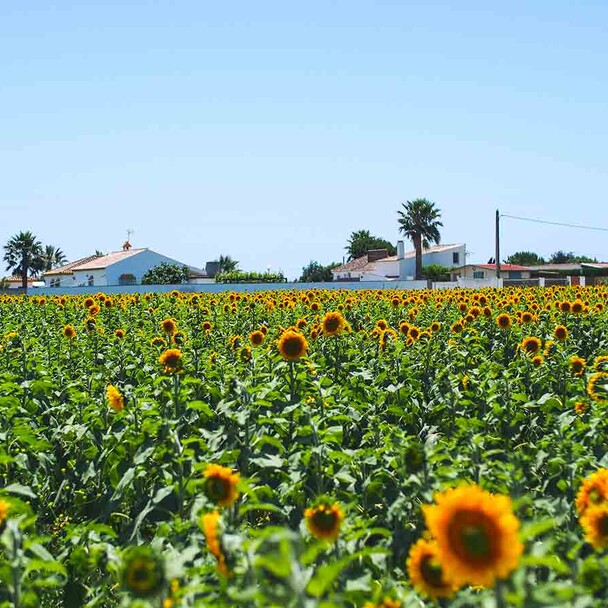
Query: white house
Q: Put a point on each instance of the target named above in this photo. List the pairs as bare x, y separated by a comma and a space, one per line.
124, 267
377, 265
488, 271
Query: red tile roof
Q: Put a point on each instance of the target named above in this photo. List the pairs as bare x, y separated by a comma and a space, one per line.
353, 265
505, 267
99, 263
70, 266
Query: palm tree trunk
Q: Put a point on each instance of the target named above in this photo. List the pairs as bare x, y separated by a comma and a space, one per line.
24, 269
418, 249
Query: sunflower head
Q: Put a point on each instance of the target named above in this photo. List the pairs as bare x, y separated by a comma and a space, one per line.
292, 345
119, 333
172, 361
477, 534
577, 366
597, 386
69, 331
115, 399
426, 573
143, 572
207, 326
531, 345
211, 525
221, 485
4, 509
595, 524
593, 491
332, 324
256, 338
560, 333
503, 320
323, 520
169, 326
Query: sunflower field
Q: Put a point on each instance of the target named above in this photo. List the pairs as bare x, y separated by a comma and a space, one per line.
322, 448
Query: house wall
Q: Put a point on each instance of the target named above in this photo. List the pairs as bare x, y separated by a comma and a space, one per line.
407, 267
381, 269
81, 278
137, 265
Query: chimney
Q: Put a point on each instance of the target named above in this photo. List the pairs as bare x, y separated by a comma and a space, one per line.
376, 254
400, 250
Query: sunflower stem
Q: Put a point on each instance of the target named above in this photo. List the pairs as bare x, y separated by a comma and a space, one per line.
499, 593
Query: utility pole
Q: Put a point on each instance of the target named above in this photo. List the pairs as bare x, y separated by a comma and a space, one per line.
497, 252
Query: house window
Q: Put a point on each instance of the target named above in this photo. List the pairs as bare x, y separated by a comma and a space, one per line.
55, 282
479, 274
456, 257
90, 280
127, 279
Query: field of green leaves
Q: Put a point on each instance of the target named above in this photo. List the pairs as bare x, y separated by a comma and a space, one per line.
377, 449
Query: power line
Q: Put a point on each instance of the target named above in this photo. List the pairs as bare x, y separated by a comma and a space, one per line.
537, 221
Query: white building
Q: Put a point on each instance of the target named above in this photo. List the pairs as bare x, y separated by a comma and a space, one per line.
377, 265
125, 267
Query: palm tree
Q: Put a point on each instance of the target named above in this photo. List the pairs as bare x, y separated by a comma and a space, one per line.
419, 221
52, 257
358, 244
22, 255
227, 264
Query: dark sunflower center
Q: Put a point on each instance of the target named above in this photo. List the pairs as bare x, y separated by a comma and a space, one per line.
602, 525
324, 520
332, 324
431, 572
217, 488
292, 347
476, 541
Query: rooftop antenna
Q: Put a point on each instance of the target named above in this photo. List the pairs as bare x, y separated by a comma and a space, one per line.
127, 244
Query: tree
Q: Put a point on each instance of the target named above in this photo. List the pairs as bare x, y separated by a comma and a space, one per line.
361, 241
51, 257
166, 274
22, 255
436, 272
419, 221
227, 264
569, 257
525, 258
317, 273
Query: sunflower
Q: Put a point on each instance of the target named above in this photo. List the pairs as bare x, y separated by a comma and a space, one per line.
404, 327
210, 522
580, 407
256, 338
531, 345
221, 485
577, 307
323, 520
116, 400
332, 324
94, 310
593, 491
413, 332
88, 302
537, 361
457, 327
4, 507
601, 363
381, 324
69, 331
595, 524
550, 348
597, 386
477, 534
119, 333
207, 326
425, 572
577, 365
503, 320
527, 317
560, 333
171, 359
435, 326
158, 341
564, 306
143, 572
292, 345
168, 326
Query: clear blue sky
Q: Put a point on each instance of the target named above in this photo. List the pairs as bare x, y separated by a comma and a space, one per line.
272, 130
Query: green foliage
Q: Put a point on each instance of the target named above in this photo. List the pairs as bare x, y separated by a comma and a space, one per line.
525, 258
436, 272
361, 241
373, 420
317, 273
240, 276
166, 274
569, 257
